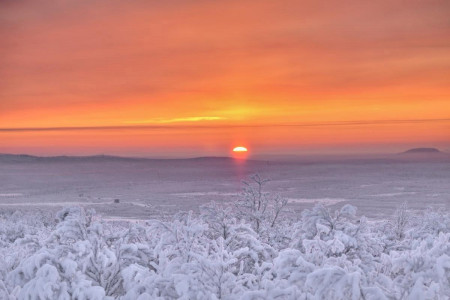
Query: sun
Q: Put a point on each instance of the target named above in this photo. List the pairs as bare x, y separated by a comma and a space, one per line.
240, 153
240, 149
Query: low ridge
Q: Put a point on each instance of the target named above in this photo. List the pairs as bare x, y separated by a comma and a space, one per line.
421, 150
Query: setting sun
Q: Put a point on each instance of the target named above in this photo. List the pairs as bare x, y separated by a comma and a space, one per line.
240, 149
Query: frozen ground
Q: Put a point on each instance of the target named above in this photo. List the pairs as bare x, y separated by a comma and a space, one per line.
146, 188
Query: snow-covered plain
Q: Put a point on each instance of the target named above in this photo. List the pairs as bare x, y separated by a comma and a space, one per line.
361, 229
146, 188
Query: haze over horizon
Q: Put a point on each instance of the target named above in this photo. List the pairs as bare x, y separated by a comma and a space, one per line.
197, 78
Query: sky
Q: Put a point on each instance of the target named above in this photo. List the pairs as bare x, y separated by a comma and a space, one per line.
192, 78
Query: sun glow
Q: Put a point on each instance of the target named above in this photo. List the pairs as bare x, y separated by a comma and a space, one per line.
240, 149
240, 153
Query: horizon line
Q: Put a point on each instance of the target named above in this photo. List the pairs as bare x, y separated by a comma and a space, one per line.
255, 157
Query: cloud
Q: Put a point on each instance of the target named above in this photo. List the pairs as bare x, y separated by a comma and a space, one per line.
193, 127
175, 120
57, 55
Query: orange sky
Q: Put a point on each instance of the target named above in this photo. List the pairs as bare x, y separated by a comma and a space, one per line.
186, 78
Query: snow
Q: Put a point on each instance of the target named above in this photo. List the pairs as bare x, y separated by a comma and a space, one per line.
10, 195
326, 254
57, 204
325, 201
393, 194
149, 188
302, 235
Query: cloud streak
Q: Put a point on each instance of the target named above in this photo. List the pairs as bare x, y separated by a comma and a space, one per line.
194, 127
176, 120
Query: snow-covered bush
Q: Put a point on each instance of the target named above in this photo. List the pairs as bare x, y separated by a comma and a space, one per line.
222, 254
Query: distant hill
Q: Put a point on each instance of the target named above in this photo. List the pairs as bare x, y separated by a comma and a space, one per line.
422, 151
415, 154
31, 158
424, 154
25, 158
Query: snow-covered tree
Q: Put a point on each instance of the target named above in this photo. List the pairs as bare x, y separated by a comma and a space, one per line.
259, 207
219, 254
